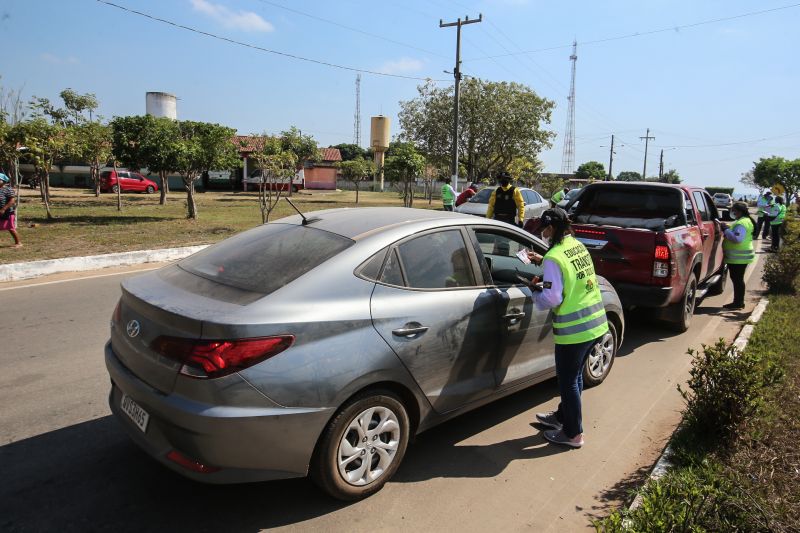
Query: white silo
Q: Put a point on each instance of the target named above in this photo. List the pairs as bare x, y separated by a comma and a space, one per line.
161, 105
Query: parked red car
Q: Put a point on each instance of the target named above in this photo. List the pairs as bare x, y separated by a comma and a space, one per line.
128, 181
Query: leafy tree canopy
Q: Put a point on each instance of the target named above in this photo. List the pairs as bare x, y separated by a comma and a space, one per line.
351, 151
498, 122
591, 170
304, 147
629, 175
670, 176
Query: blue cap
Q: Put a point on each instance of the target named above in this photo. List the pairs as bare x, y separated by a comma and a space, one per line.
4, 178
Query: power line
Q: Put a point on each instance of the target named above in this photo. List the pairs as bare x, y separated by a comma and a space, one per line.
729, 143
357, 30
260, 48
644, 33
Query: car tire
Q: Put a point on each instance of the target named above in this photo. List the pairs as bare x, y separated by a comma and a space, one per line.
682, 311
115, 189
150, 189
601, 357
339, 466
719, 287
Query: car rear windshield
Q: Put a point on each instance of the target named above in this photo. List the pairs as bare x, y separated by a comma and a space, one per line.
646, 202
264, 259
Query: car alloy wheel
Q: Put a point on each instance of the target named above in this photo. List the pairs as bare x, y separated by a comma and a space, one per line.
601, 357
362, 446
368, 446
115, 189
150, 189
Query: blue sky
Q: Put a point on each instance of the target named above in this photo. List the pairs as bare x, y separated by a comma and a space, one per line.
716, 96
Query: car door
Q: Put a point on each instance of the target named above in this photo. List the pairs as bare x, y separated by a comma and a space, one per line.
440, 321
708, 232
124, 180
526, 333
137, 182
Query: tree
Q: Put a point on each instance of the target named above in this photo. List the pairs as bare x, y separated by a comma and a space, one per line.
278, 167
304, 148
45, 143
161, 149
202, 147
526, 170
498, 122
592, 171
770, 171
128, 140
356, 171
748, 180
351, 151
629, 175
91, 142
403, 166
670, 176
77, 104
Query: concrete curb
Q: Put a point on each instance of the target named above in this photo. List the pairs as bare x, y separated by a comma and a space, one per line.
34, 269
664, 463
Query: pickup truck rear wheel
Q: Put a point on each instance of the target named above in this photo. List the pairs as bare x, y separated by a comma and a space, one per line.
682, 311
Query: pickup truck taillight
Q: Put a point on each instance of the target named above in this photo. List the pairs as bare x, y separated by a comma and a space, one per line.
661, 261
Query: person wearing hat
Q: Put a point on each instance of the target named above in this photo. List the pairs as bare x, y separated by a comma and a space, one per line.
763, 203
8, 199
468, 193
737, 250
506, 202
558, 196
569, 287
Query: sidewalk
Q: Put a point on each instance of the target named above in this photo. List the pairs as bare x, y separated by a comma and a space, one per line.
35, 269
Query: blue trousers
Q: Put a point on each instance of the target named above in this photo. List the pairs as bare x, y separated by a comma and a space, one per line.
570, 359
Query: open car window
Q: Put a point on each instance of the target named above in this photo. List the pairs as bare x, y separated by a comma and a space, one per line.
498, 250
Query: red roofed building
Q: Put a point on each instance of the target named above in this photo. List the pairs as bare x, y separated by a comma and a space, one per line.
317, 175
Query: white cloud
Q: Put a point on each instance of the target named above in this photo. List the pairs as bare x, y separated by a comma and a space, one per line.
237, 20
401, 66
57, 60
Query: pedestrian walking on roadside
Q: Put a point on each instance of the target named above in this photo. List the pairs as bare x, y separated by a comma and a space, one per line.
763, 204
8, 210
506, 203
448, 197
558, 196
468, 193
569, 287
776, 222
737, 249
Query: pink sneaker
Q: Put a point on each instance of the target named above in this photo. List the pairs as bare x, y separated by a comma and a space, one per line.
558, 437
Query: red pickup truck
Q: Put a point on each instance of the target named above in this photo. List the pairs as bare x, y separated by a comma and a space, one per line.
660, 245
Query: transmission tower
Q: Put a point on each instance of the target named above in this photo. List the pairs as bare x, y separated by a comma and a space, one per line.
568, 159
357, 117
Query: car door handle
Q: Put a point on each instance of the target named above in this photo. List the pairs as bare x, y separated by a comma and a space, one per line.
410, 332
514, 317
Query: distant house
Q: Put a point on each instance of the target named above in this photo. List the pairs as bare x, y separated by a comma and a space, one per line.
318, 175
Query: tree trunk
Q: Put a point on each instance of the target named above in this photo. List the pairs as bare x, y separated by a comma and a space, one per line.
162, 178
356, 184
190, 204
45, 186
119, 189
96, 178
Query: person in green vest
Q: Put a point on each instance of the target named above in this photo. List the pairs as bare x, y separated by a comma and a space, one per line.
763, 204
448, 197
778, 214
569, 287
737, 249
558, 196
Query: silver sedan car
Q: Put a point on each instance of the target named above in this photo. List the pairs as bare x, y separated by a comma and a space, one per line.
478, 205
317, 346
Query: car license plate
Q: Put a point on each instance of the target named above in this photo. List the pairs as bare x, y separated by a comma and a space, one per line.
134, 411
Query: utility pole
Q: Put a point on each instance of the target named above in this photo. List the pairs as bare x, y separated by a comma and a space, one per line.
357, 116
568, 157
661, 165
646, 141
610, 159
457, 76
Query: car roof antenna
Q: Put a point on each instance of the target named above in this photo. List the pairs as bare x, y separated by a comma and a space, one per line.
305, 220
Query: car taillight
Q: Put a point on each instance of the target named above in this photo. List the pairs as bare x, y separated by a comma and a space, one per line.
216, 358
661, 261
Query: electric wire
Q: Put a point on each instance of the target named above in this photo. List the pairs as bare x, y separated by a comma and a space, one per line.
262, 49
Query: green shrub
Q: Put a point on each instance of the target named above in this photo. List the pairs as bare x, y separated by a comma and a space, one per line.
782, 269
724, 389
701, 498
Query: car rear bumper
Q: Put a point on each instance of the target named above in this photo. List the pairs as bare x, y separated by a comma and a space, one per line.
635, 295
246, 444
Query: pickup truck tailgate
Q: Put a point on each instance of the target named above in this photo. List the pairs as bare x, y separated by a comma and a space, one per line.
619, 254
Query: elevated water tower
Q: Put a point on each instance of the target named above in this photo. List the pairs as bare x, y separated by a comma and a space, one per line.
379, 142
161, 105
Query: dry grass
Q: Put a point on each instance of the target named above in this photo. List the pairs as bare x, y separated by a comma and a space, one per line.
85, 225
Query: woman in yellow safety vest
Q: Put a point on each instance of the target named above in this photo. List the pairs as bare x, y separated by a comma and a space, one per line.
737, 249
569, 287
776, 224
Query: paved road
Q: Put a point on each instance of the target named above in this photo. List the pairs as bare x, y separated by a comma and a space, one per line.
65, 464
